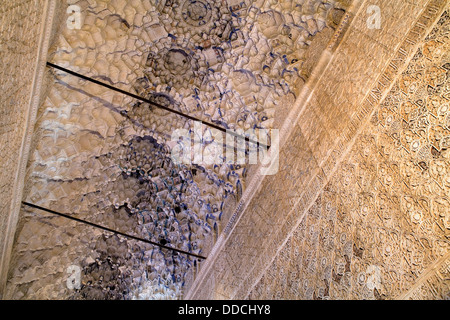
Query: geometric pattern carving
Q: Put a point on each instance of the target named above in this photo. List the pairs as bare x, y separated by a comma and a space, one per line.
382, 223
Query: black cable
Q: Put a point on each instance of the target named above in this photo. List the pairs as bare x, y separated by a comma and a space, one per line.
110, 230
51, 65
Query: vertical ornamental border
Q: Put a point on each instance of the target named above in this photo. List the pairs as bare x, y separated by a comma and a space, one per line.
37, 89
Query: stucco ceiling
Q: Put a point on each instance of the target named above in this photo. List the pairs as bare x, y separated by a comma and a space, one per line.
106, 158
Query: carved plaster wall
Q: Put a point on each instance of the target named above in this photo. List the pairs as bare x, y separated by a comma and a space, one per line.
26, 30
273, 242
380, 228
